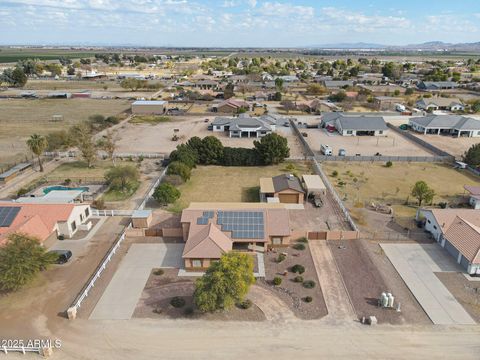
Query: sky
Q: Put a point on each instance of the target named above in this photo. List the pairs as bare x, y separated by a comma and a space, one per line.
237, 23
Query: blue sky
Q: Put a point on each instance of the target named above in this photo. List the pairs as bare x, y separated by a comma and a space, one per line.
237, 23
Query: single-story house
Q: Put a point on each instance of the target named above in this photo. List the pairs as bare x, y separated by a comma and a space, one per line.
206, 84
156, 107
355, 125
211, 230
42, 220
286, 187
454, 125
245, 125
436, 85
54, 197
13, 172
317, 105
474, 196
440, 103
231, 106
458, 232
337, 84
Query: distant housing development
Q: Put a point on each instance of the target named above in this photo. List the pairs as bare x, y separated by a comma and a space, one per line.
454, 125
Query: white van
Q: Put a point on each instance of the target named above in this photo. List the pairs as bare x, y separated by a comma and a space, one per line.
326, 150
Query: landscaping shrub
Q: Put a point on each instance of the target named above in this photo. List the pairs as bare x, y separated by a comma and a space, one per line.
303, 239
308, 299
166, 193
158, 272
177, 302
309, 284
277, 280
298, 279
181, 169
299, 246
334, 173
297, 268
280, 258
99, 204
389, 164
22, 192
245, 304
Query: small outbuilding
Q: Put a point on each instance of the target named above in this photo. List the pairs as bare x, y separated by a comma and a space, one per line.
287, 188
152, 107
141, 219
314, 185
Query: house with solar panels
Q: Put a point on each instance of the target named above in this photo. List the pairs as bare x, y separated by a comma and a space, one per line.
43, 221
211, 230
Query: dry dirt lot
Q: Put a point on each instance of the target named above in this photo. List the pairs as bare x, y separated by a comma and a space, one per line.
158, 138
452, 145
393, 185
390, 145
20, 118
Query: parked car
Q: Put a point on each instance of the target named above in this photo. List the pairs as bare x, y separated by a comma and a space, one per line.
63, 255
317, 201
286, 124
342, 152
326, 150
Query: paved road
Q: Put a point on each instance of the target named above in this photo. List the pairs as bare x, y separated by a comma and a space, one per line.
121, 296
417, 265
334, 292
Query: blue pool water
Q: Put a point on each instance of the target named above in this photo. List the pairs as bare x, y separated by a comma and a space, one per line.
59, 187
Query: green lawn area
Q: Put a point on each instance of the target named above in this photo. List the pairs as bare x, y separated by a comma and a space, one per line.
230, 184
149, 119
379, 184
79, 169
115, 195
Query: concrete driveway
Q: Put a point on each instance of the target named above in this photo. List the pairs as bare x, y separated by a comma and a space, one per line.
417, 265
121, 296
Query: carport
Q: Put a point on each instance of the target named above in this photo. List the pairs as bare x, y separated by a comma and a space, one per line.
314, 184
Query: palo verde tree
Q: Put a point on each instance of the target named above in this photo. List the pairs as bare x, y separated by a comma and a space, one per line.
422, 192
225, 283
272, 149
37, 145
20, 260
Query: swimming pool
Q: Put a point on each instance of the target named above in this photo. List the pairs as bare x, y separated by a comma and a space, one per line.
59, 187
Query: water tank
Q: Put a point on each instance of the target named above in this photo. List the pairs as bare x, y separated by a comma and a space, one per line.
390, 300
384, 300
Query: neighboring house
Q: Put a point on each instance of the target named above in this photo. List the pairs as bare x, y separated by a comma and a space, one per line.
337, 84
350, 125
436, 85
286, 188
317, 105
13, 172
245, 126
54, 197
211, 230
206, 85
42, 220
156, 107
130, 76
474, 196
440, 103
458, 232
454, 125
231, 106
288, 78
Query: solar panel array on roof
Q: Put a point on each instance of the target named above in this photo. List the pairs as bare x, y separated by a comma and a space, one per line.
242, 224
203, 220
8, 214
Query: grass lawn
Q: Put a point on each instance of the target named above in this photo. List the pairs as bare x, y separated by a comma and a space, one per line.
78, 169
229, 184
115, 195
20, 118
149, 119
377, 183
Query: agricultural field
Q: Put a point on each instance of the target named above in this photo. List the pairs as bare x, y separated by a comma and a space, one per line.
360, 183
229, 184
20, 118
8, 55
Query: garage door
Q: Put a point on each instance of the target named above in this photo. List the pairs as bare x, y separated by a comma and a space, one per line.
288, 198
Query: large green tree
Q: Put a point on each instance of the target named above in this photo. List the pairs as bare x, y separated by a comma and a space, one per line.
20, 260
212, 151
37, 145
122, 178
82, 136
422, 192
166, 193
272, 149
472, 156
225, 282
180, 169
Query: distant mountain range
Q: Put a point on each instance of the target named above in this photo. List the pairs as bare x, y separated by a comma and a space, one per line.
427, 46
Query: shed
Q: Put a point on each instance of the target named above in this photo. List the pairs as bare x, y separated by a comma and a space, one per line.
149, 107
141, 219
314, 184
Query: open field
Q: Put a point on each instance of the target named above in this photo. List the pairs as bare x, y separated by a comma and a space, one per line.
228, 184
20, 118
379, 184
390, 145
452, 145
158, 138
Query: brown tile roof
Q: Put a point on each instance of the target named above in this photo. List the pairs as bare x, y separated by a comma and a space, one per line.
466, 239
209, 242
473, 190
278, 222
287, 182
445, 217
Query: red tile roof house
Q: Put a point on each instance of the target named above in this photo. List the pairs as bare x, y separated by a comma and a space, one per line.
231, 106
41, 220
458, 231
209, 231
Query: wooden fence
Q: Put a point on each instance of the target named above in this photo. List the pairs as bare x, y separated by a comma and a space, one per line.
333, 235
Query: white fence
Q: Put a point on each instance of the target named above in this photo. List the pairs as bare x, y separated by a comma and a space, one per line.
152, 189
145, 155
96, 212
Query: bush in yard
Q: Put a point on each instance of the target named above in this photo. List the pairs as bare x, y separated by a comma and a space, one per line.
303, 239
158, 272
122, 178
179, 168
246, 304
298, 279
308, 299
277, 280
166, 193
297, 268
225, 283
280, 258
388, 164
299, 246
334, 173
177, 302
309, 284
